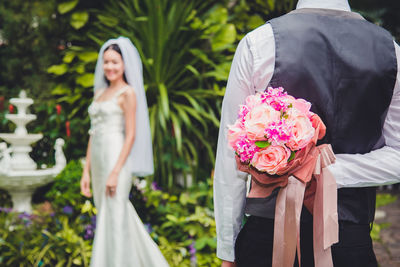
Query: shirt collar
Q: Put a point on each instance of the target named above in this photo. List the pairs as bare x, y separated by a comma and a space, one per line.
342, 5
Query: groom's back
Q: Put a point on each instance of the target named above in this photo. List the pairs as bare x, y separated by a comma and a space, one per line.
345, 66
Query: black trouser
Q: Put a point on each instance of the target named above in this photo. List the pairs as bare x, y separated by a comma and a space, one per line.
254, 244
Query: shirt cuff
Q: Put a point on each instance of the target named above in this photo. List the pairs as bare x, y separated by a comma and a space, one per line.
337, 173
226, 252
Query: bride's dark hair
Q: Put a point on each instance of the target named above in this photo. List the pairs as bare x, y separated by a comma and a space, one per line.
116, 48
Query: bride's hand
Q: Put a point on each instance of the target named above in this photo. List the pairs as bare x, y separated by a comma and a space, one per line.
111, 185
85, 185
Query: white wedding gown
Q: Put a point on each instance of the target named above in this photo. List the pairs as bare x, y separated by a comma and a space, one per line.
121, 239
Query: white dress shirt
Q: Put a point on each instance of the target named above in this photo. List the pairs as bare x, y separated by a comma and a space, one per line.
251, 71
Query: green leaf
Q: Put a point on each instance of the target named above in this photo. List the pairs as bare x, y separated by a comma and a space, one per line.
178, 132
271, 4
88, 56
172, 218
79, 19
86, 80
255, 21
193, 70
69, 56
224, 37
67, 6
292, 155
201, 243
58, 69
262, 144
202, 56
164, 99
221, 72
79, 68
108, 21
60, 90
77, 261
218, 16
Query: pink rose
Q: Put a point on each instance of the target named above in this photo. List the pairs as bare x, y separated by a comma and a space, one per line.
253, 101
271, 159
302, 106
235, 133
258, 119
302, 131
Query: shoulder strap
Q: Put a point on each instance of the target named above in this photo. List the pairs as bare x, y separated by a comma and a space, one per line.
121, 91
100, 92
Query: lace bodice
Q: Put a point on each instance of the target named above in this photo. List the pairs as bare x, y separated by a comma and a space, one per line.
106, 116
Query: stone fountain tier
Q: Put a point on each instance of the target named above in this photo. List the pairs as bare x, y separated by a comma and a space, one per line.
16, 118
22, 140
22, 184
31, 180
20, 145
22, 102
21, 120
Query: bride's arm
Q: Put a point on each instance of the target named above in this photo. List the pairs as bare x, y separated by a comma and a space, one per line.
85, 180
128, 105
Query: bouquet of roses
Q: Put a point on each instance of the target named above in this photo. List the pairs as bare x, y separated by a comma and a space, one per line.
275, 140
272, 127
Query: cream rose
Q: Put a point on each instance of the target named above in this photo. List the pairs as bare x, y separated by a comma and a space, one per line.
258, 119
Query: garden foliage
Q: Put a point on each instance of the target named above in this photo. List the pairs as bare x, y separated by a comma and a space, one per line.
60, 230
186, 49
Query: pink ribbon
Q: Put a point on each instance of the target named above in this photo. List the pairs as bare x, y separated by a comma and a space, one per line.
289, 205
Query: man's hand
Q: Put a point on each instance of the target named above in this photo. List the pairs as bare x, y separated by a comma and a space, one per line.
228, 264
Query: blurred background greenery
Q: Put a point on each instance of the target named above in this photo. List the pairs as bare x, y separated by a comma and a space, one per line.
49, 48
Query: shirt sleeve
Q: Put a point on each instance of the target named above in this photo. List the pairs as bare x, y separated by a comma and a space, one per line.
381, 166
229, 183
251, 70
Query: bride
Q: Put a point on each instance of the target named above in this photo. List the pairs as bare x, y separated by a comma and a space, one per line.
119, 147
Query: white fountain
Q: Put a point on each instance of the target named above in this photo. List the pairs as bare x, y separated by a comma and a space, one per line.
18, 172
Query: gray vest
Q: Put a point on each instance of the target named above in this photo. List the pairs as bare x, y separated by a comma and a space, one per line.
346, 67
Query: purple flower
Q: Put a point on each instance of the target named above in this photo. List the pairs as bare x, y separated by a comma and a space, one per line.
90, 228
192, 251
5, 210
155, 187
89, 231
26, 218
93, 220
68, 210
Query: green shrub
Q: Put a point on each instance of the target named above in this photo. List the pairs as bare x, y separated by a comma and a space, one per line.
65, 190
60, 230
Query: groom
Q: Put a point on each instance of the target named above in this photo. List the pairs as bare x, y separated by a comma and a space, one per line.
348, 69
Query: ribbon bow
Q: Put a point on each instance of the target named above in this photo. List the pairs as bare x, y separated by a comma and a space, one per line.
320, 199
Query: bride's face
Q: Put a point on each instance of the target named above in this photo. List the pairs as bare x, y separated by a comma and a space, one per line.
113, 65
